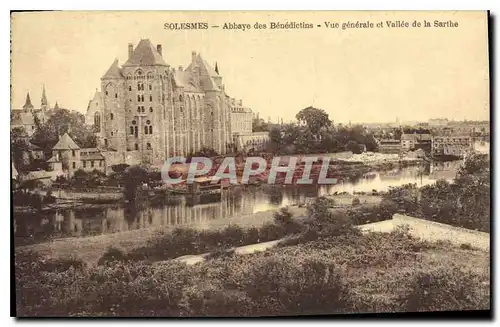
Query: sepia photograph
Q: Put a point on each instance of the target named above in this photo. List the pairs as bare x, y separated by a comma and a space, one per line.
250, 163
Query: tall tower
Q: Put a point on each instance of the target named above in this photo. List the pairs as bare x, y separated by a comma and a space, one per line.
44, 102
28, 106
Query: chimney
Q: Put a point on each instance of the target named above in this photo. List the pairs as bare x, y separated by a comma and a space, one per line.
158, 48
130, 50
193, 56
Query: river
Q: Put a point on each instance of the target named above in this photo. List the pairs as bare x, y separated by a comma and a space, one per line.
236, 202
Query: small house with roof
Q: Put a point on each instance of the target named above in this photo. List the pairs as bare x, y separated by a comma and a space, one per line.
67, 152
68, 156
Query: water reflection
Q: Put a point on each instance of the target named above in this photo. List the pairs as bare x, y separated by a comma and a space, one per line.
177, 211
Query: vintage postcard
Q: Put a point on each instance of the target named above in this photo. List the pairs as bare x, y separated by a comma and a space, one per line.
250, 164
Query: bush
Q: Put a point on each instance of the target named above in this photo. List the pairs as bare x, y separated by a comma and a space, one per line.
112, 254
356, 202
284, 286
446, 288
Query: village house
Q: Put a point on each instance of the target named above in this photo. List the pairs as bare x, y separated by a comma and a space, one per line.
68, 157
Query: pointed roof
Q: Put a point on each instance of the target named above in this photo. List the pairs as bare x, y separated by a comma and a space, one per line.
28, 104
114, 71
44, 97
66, 143
53, 159
145, 54
56, 106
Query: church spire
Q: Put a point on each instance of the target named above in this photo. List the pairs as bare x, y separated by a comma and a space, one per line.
45, 103
56, 106
216, 68
27, 104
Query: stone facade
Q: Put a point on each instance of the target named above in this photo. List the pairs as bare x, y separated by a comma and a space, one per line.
147, 106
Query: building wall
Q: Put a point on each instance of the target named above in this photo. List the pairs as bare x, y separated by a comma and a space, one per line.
182, 119
451, 145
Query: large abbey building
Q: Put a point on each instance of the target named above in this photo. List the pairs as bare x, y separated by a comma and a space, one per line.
147, 108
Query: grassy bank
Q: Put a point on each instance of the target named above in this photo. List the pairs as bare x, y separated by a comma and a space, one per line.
378, 272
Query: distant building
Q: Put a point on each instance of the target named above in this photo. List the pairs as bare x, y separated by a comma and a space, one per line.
25, 117
438, 122
451, 145
389, 146
410, 142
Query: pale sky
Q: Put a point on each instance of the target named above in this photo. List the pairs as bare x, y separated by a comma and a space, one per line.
368, 75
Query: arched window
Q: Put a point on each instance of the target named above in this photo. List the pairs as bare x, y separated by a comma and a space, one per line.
180, 97
150, 109
97, 121
131, 130
150, 98
148, 146
139, 109
111, 116
130, 87
136, 131
136, 146
150, 129
142, 96
150, 87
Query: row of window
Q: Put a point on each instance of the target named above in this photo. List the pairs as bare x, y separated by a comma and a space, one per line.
135, 130
148, 146
91, 163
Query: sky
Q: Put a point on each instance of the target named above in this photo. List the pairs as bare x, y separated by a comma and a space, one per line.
358, 75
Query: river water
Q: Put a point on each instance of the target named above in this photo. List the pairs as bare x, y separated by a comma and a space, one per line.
236, 202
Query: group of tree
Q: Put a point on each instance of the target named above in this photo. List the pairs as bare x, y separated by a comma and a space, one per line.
63, 121
316, 133
465, 202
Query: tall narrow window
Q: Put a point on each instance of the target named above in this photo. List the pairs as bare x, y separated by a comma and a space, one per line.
136, 130
84, 164
150, 87
116, 95
137, 146
150, 98
73, 153
142, 98
131, 130
138, 98
97, 122
145, 130
74, 165
150, 129
148, 146
130, 87
111, 116
92, 163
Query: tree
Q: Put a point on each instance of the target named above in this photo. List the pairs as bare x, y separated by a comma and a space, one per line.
259, 125
133, 177
353, 146
60, 122
19, 141
275, 139
315, 119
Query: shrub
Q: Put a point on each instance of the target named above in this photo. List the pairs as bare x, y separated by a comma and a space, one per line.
356, 202
284, 285
112, 254
446, 288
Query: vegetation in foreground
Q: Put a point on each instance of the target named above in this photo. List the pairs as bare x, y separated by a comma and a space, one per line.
377, 272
